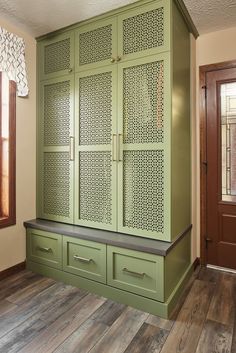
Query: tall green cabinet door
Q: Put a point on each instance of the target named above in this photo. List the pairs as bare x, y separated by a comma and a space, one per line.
96, 152
96, 44
144, 152
144, 30
56, 56
55, 156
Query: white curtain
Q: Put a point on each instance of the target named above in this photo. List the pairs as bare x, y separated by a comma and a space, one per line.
12, 60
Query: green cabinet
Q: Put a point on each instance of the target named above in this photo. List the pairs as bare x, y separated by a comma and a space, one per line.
114, 149
56, 56
55, 149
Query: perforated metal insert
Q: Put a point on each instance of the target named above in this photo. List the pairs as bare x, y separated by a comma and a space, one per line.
96, 45
144, 190
143, 103
96, 109
95, 187
57, 56
56, 175
144, 31
57, 114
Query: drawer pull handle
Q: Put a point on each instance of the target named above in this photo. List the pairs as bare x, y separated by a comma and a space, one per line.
82, 259
44, 249
132, 273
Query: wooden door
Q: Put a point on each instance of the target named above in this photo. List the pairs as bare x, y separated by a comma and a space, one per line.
221, 168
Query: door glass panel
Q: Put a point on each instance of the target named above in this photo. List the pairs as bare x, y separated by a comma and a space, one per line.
228, 141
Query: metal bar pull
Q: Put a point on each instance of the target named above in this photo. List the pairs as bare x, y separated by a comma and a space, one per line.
120, 141
82, 259
44, 249
114, 147
132, 273
72, 148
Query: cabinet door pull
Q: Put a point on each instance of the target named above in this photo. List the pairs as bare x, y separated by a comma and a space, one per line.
132, 273
114, 137
113, 60
70, 70
82, 259
118, 58
72, 149
119, 158
44, 249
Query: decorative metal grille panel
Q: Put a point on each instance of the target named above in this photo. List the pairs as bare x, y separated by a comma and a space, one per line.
144, 31
96, 45
144, 190
96, 109
143, 103
57, 114
56, 176
57, 56
95, 187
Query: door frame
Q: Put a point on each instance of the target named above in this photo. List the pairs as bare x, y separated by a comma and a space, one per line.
203, 70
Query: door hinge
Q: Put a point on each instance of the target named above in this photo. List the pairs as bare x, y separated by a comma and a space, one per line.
205, 163
205, 89
207, 241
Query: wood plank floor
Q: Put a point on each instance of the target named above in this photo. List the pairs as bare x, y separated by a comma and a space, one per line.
39, 315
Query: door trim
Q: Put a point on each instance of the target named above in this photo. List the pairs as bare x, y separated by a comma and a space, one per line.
203, 70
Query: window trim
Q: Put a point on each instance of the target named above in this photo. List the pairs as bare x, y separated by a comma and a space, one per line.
10, 219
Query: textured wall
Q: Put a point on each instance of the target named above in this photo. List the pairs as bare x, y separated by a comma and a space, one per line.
12, 239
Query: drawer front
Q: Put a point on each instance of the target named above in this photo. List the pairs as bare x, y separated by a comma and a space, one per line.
44, 248
84, 258
136, 272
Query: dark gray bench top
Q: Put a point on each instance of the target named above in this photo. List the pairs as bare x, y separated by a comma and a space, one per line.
107, 237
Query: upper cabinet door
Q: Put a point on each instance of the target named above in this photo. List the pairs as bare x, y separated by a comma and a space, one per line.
56, 56
96, 44
144, 31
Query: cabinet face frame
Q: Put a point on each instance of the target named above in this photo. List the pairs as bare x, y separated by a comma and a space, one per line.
129, 13
91, 27
165, 146
53, 149
98, 148
41, 50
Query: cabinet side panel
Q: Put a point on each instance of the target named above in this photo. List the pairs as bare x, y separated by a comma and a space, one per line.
181, 149
176, 264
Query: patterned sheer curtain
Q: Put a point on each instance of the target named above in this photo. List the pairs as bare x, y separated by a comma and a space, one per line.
12, 60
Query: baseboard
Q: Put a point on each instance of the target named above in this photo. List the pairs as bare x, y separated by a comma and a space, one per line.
196, 263
12, 270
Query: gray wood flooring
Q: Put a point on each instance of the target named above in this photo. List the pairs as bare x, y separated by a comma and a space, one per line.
38, 314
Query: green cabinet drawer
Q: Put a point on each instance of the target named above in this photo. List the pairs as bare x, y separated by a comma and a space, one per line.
84, 258
136, 272
44, 248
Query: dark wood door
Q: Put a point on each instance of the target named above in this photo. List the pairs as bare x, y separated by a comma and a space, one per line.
221, 168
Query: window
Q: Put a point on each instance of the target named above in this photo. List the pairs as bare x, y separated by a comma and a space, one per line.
7, 151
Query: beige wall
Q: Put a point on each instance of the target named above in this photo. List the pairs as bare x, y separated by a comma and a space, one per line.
211, 48
12, 239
